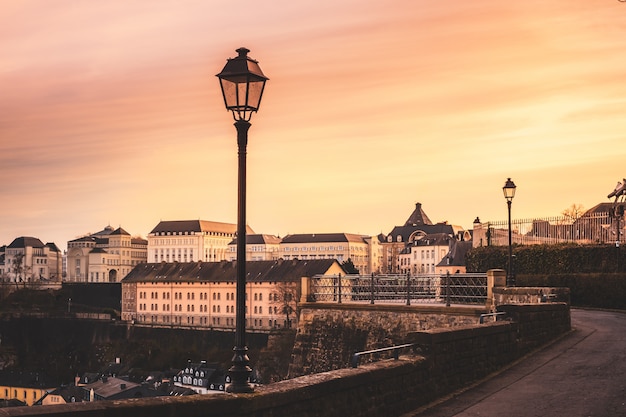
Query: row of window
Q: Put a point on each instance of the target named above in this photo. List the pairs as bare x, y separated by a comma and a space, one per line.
230, 296
215, 321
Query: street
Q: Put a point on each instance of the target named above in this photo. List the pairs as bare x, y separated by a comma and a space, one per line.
582, 374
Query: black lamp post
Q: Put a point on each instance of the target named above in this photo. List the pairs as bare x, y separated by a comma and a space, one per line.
618, 212
509, 193
242, 83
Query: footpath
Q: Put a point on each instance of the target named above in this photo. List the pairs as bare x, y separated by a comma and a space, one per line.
581, 374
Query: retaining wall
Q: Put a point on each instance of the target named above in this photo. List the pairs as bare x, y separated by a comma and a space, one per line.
450, 358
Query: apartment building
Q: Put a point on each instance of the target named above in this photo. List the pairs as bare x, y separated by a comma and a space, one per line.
400, 240
424, 255
106, 256
191, 241
363, 251
258, 248
28, 259
202, 294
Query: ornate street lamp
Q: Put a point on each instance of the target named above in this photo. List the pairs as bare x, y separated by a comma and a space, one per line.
509, 193
242, 83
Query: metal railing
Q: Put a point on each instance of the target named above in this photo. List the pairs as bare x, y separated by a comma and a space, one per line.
589, 229
400, 289
395, 350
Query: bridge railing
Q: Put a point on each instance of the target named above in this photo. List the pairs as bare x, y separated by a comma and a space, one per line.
406, 289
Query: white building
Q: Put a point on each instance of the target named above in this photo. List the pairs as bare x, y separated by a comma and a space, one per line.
202, 294
364, 251
191, 241
258, 248
106, 256
27, 259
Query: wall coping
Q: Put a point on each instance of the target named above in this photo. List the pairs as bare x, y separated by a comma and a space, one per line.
476, 310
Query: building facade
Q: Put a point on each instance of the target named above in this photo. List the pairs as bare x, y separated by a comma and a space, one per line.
399, 254
106, 256
258, 248
363, 251
27, 259
202, 294
191, 241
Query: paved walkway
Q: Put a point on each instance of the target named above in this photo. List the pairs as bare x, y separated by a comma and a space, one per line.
582, 374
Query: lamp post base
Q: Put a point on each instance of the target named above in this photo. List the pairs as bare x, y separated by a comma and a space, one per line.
240, 372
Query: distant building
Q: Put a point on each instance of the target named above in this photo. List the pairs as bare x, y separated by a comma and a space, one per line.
62, 395
3, 268
363, 251
106, 256
202, 294
203, 378
27, 259
27, 387
399, 244
191, 241
112, 388
258, 248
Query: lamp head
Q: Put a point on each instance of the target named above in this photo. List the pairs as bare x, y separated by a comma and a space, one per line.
509, 189
242, 83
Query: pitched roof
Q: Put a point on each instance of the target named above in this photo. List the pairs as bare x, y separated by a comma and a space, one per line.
53, 247
434, 239
108, 387
25, 242
259, 240
197, 226
120, 231
427, 229
418, 217
323, 237
256, 271
25, 379
456, 254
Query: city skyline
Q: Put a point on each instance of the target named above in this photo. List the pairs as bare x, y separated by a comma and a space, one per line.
111, 114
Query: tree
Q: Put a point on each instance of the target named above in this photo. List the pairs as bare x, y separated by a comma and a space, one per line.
349, 267
574, 212
284, 297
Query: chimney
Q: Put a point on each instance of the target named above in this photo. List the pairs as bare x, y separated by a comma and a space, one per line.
122, 386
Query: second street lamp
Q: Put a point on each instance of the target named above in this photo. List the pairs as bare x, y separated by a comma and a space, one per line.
242, 83
509, 193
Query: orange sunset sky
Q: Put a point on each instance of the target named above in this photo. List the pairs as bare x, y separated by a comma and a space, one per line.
110, 112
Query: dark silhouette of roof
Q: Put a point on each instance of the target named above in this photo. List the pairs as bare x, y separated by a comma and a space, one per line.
256, 271
120, 231
53, 247
196, 226
418, 217
26, 242
259, 240
25, 379
427, 229
323, 237
456, 254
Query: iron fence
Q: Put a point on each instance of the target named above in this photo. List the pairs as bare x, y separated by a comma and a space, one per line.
400, 289
588, 229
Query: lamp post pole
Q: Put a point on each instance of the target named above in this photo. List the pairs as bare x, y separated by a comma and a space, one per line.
509, 193
242, 83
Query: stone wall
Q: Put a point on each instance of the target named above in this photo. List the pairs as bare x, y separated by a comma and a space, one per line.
452, 358
329, 334
530, 295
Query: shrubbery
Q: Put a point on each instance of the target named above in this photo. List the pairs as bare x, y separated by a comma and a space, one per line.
595, 274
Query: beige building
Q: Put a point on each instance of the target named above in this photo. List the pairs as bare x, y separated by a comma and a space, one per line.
364, 251
202, 294
106, 256
27, 259
191, 241
258, 248
427, 255
401, 238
